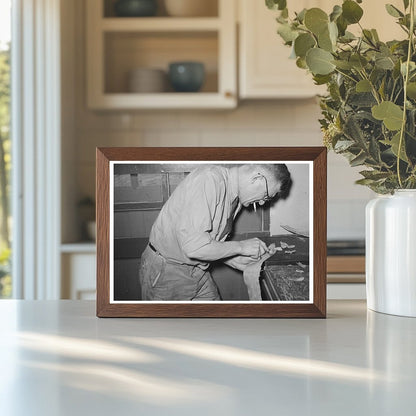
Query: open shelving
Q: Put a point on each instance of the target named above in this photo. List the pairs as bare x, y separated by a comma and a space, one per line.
117, 45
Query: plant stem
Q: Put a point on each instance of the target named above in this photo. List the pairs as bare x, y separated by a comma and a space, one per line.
397, 95
373, 88
392, 91
405, 81
346, 75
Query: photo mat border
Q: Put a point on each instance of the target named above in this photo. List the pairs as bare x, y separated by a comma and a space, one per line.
214, 162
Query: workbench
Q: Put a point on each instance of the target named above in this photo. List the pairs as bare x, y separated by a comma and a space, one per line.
57, 358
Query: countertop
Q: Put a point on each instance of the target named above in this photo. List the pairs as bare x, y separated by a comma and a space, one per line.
57, 358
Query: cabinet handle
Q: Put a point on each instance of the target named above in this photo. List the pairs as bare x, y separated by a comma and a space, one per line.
229, 94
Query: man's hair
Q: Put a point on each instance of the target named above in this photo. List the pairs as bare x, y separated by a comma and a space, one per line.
281, 173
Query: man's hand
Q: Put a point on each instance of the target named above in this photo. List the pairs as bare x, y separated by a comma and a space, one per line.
253, 248
241, 262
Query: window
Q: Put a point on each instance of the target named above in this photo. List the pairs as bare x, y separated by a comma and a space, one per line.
5, 145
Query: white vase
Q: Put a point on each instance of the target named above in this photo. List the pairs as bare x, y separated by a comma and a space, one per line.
391, 253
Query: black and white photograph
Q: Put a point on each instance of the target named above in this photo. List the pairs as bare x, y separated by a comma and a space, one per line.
211, 231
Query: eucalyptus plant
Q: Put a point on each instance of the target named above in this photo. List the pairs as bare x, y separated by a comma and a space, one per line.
369, 111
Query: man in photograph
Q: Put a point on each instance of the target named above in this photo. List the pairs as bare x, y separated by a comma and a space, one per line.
193, 225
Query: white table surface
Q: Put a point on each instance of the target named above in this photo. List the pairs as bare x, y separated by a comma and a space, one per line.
57, 358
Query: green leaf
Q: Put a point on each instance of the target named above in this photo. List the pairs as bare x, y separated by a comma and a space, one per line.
333, 32
344, 65
303, 43
412, 67
393, 11
301, 63
281, 19
351, 11
375, 35
405, 21
374, 150
342, 25
276, 4
301, 15
374, 174
316, 20
343, 145
362, 99
347, 37
394, 144
368, 36
325, 42
365, 182
406, 4
391, 114
319, 61
336, 12
270, 4
411, 90
382, 89
354, 132
358, 160
358, 61
287, 33
363, 86
384, 62
321, 79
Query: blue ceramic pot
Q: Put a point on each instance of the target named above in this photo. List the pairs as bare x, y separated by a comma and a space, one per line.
186, 76
135, 8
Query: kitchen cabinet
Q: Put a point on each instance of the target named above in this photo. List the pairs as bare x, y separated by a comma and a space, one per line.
265, 70
346, 269
78, 262
346, 277
118, 45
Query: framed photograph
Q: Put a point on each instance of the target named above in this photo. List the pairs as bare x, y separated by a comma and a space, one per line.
211, 232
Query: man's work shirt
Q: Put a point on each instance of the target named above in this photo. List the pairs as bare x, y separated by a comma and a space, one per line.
200, 210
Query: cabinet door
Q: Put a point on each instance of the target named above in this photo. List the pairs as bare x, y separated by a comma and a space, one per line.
78, 276
265, 68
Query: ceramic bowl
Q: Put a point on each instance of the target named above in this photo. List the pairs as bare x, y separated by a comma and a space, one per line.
186, 76
191, 8
135, 8
147, 80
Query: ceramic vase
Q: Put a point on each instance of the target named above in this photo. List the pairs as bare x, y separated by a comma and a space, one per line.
391, 253
135, 8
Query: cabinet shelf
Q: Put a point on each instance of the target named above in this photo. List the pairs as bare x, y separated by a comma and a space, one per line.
197, 100
160, 24
87, 247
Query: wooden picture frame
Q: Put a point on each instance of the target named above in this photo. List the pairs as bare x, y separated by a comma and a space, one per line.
114, 165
